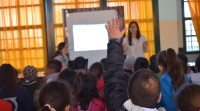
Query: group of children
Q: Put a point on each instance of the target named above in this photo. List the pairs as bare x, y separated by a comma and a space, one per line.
113, 84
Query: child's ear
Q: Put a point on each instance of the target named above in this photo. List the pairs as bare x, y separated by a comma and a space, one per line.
132, 69
52, 70
67, 108
159, 98
160, 68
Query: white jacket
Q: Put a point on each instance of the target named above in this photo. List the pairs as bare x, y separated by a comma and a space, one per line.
128, 105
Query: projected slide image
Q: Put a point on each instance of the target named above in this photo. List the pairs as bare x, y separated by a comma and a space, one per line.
90, 37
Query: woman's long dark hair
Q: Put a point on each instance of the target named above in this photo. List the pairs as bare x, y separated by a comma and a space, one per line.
173, 65
8, 77
60, 47
85, 89
129, 32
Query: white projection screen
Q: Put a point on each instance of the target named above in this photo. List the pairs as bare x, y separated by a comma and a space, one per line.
87, 35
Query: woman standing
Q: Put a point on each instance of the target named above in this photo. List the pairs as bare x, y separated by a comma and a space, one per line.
135, 44
61, 54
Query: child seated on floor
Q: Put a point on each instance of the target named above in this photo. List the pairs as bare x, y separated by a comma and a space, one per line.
144, 87
53, 69
141, 63
97, 69
86, 93
144, 90
188, 98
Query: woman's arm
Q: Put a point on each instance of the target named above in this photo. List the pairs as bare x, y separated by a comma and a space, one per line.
145, 45
124, 44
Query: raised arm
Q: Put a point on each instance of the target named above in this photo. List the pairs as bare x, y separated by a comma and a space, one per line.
115, 88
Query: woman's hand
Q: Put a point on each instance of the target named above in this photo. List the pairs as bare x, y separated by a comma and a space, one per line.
145, 45
124, 48
113, 29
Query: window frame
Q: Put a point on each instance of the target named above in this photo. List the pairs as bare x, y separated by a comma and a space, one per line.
184, 32
21, 27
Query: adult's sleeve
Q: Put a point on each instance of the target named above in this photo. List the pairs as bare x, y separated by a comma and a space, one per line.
115, 88
145, 49
125, 42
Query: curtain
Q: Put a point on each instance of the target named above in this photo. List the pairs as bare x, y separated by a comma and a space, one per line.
58, 5
194, 6
140, 11
22, 33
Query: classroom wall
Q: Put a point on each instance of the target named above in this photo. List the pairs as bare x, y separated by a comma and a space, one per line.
170, 24
171, 29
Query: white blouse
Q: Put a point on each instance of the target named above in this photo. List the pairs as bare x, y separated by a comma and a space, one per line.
63, 59
137, 49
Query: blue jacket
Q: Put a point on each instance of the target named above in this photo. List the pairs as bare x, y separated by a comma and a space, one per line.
168, 92
21, 98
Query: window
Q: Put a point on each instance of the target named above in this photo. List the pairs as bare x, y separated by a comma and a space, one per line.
140, 11
22, 33
58, 5
190, 39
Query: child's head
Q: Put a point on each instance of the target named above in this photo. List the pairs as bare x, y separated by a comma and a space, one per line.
97, 69
85, 89
162, 61
144, 88
169, 62
53, 66
129, 63
8, 77
153, 65
68, 75
30, 73
188, 98
153, 59
79, 63
141, 63
103, 61
197, 64
55, 94
183, 58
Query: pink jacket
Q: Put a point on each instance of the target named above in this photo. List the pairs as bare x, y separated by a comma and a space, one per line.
95, 105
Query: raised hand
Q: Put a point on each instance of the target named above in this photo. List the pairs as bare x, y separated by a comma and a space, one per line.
113, 29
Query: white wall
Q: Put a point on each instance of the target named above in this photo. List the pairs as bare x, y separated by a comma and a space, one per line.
170, 24
171, 29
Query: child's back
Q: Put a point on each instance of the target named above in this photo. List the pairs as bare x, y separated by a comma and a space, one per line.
85, 90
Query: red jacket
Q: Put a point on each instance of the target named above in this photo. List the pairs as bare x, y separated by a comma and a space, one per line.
100, 85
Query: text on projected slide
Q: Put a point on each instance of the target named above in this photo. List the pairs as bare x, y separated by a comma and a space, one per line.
90, 37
